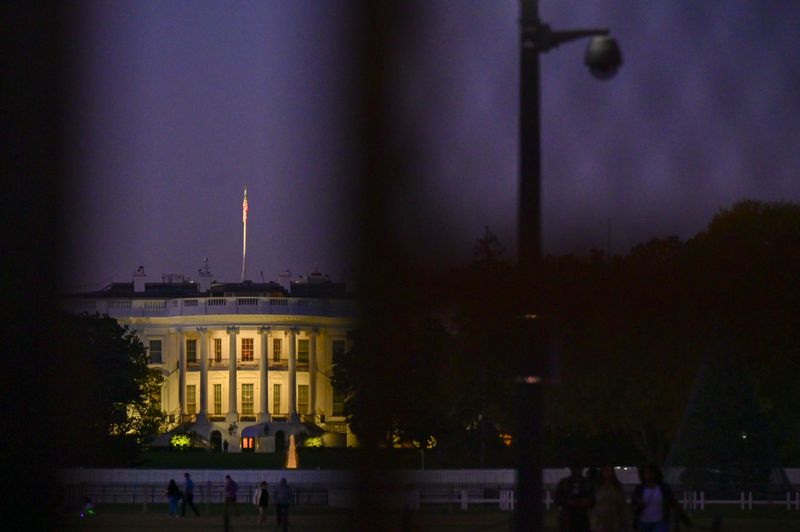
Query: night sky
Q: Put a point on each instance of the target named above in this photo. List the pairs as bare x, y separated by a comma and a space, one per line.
177, 105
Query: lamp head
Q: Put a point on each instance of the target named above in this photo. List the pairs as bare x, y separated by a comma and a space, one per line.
603, 57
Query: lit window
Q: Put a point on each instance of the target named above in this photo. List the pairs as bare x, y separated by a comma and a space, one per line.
217, 398
276, 398
276, 349
247, 398
191, 399
302, 351
217, 350
155, 352
191, 351
302, 398
247, 349
248, 442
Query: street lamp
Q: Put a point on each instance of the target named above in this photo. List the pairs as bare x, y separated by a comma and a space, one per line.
603, 57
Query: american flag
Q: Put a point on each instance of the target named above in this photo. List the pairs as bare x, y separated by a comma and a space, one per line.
244, 207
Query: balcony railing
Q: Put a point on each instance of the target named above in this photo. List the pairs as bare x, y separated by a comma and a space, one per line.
215, 306
248, 364
222, 363
282, 363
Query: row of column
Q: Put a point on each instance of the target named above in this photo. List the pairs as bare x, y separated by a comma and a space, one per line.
266, 337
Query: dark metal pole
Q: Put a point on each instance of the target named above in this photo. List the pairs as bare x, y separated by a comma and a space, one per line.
529, 236
529, 514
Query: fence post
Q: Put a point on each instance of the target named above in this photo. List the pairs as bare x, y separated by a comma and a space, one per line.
741, 500
464, 502
750, 500
702, 500
547, 500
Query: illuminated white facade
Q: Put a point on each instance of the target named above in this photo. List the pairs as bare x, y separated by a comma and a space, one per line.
243, 363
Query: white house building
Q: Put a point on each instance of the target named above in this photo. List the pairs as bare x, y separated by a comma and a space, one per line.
244, 364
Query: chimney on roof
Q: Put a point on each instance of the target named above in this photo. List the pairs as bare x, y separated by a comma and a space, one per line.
139, 278
204, 278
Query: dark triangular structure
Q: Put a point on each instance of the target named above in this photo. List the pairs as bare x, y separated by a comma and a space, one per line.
723, 445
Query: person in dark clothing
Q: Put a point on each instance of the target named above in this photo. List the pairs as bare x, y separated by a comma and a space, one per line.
283, 498
173, 496
188, 496
654, 504
231, 489
573, 498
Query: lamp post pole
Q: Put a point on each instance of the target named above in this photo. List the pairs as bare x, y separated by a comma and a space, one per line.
528, 509
535, 38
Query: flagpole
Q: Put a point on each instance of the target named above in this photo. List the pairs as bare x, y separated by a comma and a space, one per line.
244, 232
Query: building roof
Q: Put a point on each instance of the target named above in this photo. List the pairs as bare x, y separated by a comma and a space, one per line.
306, 288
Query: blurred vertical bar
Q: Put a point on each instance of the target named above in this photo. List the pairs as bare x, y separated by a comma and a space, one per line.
531, 370
33, 172
380, 263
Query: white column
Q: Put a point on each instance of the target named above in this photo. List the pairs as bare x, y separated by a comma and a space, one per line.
202, 415
292, 336
312, 371
263, 411
233, 410
181, 373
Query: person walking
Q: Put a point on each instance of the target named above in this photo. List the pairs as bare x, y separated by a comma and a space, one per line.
573, 498
654, 504
283, 498
173, 496
231, 488
188, 496
610, 511
261, 500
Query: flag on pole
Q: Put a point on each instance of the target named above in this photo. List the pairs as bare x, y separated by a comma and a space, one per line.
244, 207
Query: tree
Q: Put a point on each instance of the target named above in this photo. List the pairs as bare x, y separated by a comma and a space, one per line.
108, 396
417, 404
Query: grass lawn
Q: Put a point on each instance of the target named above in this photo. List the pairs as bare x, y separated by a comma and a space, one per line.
130, 517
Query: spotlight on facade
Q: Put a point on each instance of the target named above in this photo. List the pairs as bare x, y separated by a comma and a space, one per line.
603, 57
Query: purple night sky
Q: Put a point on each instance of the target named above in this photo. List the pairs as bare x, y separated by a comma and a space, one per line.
179, 104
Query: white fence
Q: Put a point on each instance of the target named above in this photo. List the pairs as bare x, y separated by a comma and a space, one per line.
450, 489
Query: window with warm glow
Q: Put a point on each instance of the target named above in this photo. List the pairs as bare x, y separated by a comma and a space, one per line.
276, 398
302, 351
302, 398
247, 349
217, 398
248, 443
276, 349
217, 350
191, 399
247, 398
191, 351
